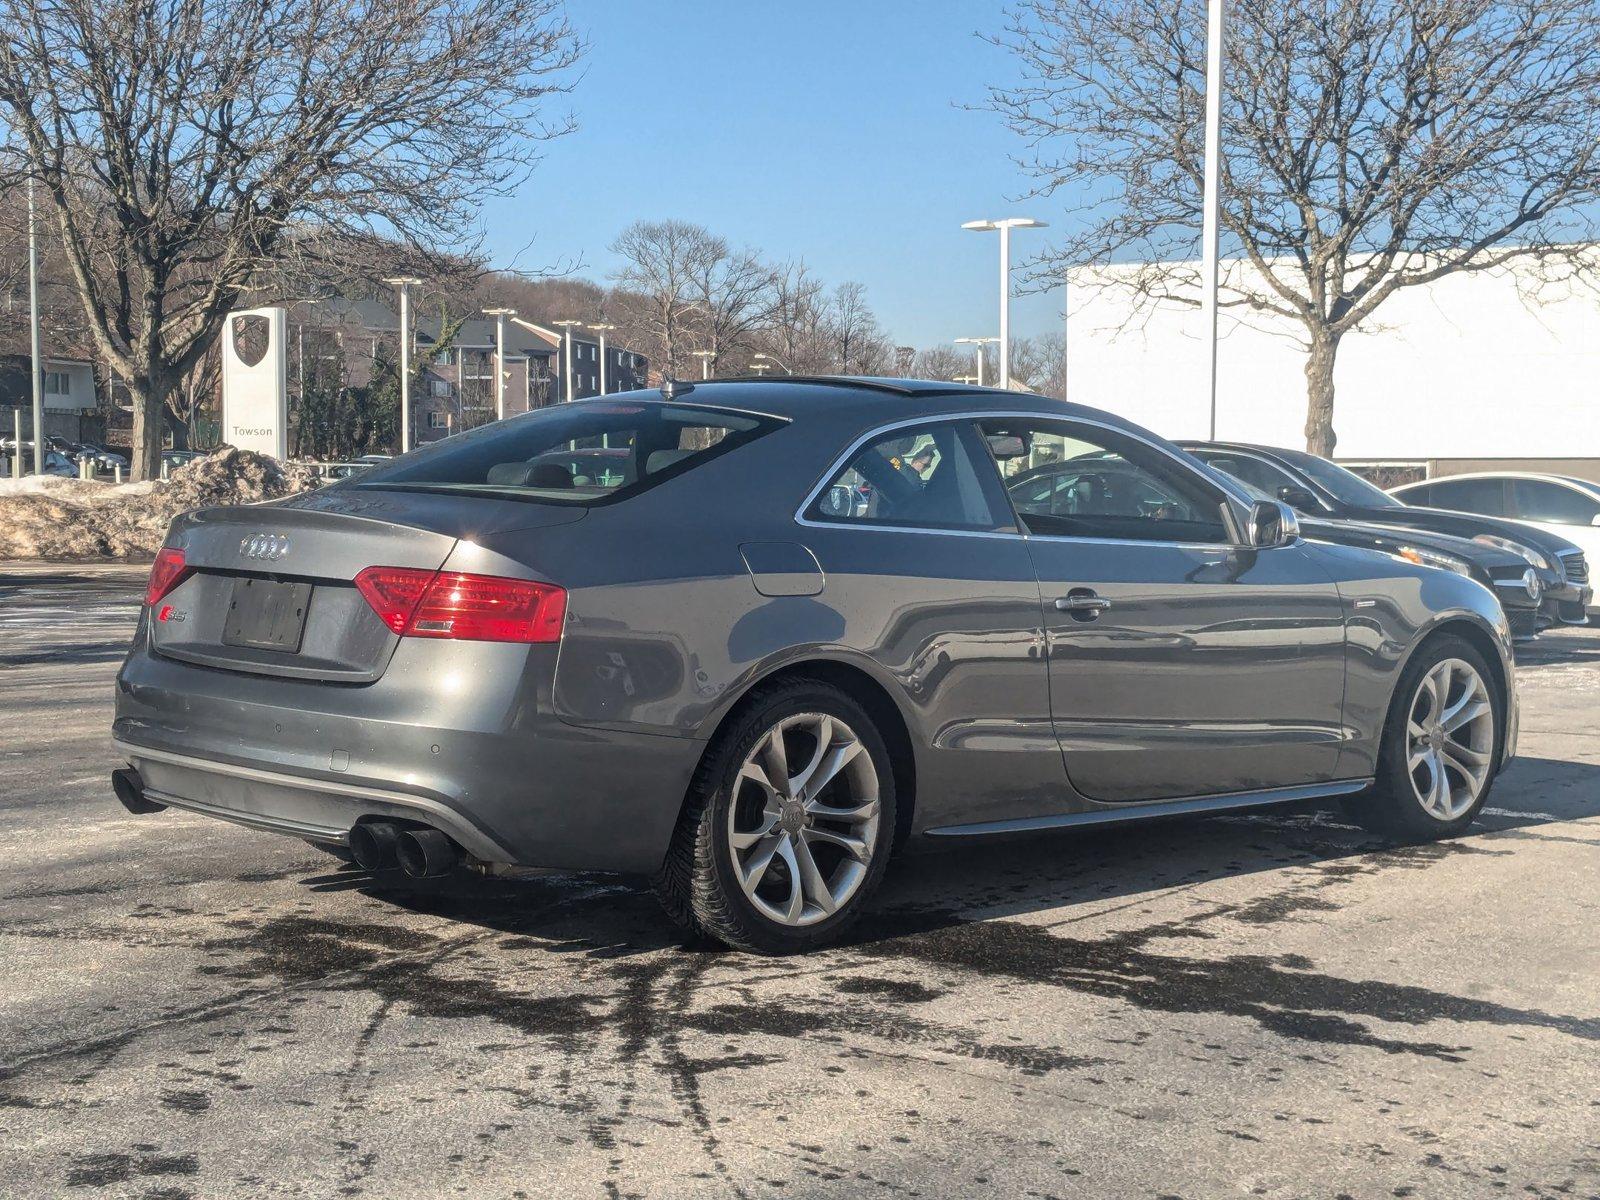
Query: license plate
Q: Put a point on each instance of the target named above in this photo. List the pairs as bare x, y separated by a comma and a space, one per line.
266, 615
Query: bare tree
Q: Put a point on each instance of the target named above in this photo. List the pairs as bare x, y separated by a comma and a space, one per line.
1369, 145
734, 296
859, 347
178, 142
662, 261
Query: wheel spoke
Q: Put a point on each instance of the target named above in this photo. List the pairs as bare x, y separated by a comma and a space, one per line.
838, 756
797, 897
752, 772
754, 868
811, 880
824, 732
1439, 792
743, 840
1464, 711
775, 759
1471, 762
856, 814
854, 847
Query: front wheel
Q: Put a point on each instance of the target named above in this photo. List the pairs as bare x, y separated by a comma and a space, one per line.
788, 825
1440, 745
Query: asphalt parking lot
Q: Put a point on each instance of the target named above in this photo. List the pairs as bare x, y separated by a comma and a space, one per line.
1274, 1005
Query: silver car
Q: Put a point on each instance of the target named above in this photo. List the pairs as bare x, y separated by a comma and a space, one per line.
752, 637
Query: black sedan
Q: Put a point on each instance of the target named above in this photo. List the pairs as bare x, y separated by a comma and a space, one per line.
1319, 489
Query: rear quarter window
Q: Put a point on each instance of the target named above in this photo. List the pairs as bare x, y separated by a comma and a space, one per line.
589, 453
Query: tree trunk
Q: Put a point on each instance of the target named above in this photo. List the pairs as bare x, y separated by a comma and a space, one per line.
148, 404
1320, 437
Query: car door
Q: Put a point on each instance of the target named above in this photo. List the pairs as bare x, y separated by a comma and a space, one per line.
1484, 495
927, 570
1181, 663
1561, 509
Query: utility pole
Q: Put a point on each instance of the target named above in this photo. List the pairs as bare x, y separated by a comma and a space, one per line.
499, 315
566, 368
1005, 226
602, 329
404, 282
34, 347
1210, 224
705, 357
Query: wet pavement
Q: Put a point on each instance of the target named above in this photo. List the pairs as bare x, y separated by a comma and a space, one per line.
1273, 1005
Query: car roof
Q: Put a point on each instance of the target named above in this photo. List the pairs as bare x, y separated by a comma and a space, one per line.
1573, 480
876, 400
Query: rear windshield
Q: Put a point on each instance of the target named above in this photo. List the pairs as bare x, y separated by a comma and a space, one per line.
591, 452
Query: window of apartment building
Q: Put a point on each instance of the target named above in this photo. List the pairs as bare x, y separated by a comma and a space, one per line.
440, 388
56, 383
444, 358
438, 420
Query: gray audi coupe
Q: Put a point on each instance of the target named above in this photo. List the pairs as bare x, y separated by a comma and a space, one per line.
751, 637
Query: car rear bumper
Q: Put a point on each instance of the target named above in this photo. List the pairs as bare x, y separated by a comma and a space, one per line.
501, 775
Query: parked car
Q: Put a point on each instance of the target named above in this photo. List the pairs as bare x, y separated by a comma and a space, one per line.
1514, 583
1559, 504
54, 463
703, 674
1315, 487
173, 459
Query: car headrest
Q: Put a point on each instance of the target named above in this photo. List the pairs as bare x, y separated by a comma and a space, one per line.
536, 475
660, 460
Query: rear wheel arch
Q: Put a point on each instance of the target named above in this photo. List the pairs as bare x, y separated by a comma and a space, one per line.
867, 691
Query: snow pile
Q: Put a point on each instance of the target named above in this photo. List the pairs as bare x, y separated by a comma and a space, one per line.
70, 518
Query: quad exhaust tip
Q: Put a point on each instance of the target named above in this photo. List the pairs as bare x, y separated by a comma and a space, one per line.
125, 782
426, 853
372, 844
420, 852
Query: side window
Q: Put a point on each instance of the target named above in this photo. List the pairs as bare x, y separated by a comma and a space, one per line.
1486, 497
1076, 481
1420, 496
926, 477
1264, 477
1538, 500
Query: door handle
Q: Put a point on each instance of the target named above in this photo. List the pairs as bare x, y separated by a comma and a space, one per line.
1083, 602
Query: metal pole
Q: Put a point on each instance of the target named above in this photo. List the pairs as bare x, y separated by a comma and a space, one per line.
602, 362
979, 350
1210, 223
405, 367
16, 444
38, 357
1005, 307
566, 368
500, 367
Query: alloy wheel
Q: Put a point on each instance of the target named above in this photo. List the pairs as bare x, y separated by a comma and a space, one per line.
1450, 739
803, 824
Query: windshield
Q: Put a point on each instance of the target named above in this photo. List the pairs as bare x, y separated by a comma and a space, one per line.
1346, 486
588, 453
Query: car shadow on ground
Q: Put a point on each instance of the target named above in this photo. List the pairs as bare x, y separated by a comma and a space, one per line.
1064, 876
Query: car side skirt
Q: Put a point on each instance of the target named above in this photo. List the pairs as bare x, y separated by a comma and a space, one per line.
1155, 809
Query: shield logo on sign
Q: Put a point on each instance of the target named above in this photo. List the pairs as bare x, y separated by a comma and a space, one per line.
251, 334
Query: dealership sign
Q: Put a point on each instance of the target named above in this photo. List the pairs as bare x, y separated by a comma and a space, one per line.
255, 392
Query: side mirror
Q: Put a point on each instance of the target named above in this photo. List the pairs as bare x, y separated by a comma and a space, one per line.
1272, 523
1297, 498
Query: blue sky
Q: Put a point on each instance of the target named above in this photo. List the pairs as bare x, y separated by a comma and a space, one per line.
820, 130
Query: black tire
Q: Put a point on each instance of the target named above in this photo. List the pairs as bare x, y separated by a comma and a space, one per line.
697, 883
1391, 807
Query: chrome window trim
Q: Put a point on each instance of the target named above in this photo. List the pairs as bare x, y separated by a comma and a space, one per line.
855, 447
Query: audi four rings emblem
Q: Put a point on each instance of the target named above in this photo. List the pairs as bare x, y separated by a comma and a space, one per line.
266, 546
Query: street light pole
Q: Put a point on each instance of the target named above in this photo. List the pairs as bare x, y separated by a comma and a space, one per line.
1005, 226
33, 339
404, 282
977, 345
566, 369
772, 358
705, 357
499, 315
602, 329
1210, 224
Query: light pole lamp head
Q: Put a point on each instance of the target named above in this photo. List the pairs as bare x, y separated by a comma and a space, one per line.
401, 281
499, 312
602, 328
1005, 223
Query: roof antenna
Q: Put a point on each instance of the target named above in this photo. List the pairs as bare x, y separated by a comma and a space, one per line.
671, 389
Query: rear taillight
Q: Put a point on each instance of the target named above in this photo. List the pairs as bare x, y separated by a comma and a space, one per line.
166, 573
473, 608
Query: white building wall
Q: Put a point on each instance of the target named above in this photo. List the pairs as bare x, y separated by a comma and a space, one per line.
1467, 368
